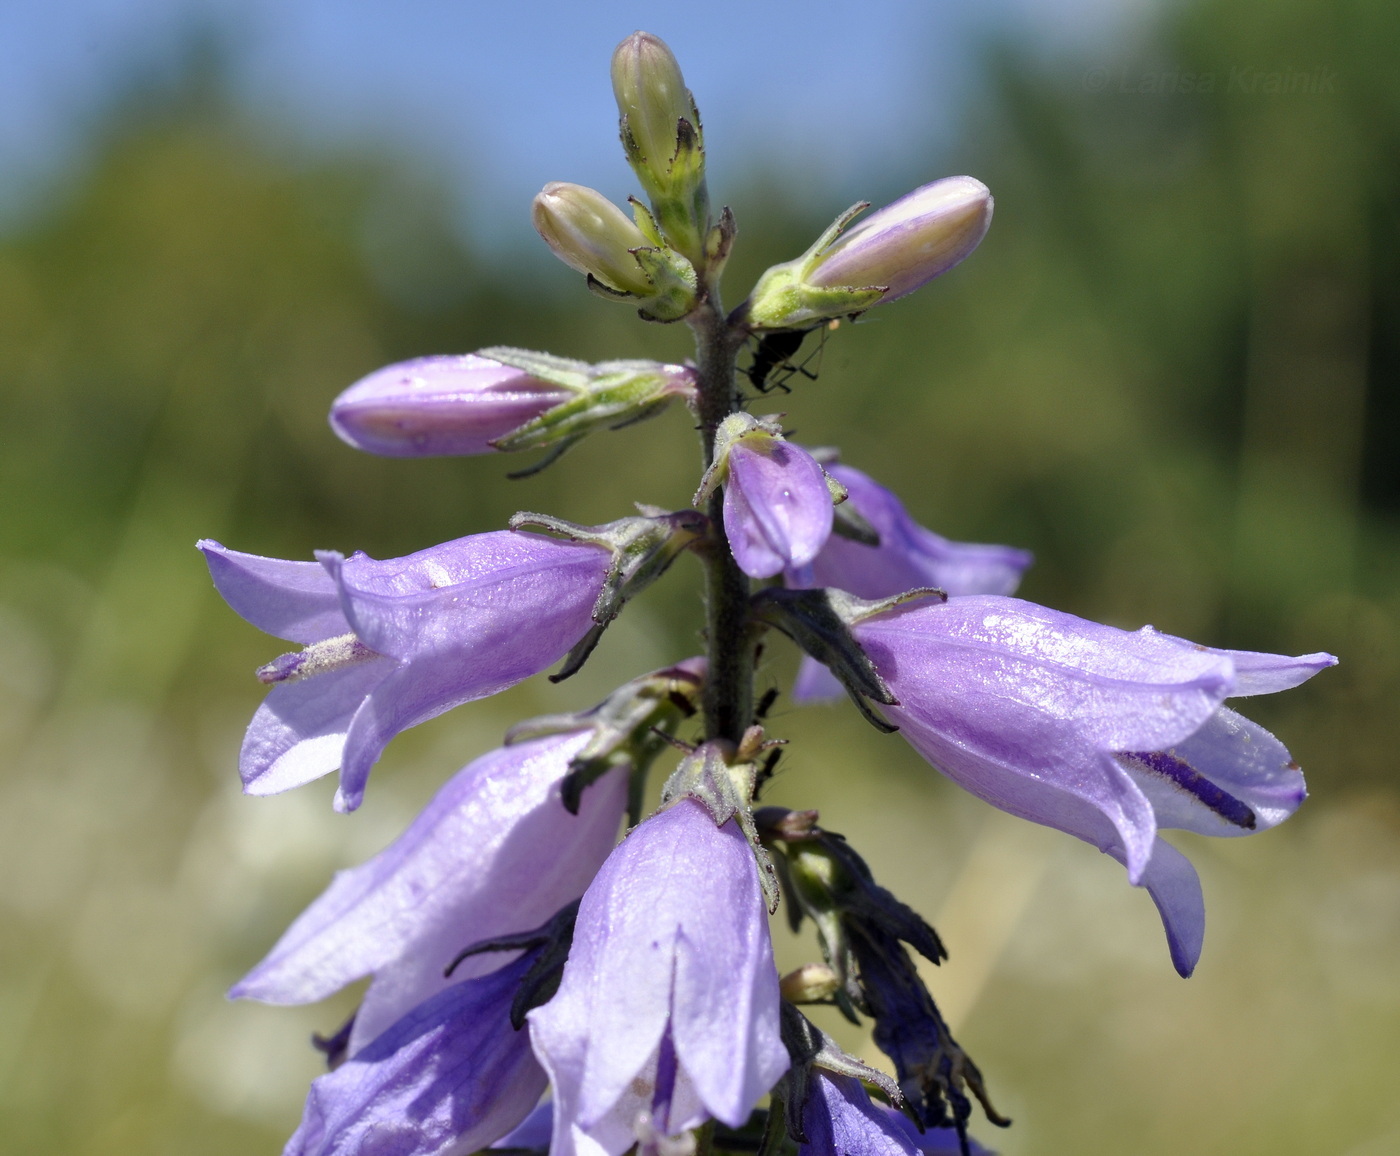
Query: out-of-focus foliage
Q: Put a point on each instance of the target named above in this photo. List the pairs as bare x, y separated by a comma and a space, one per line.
1170, 371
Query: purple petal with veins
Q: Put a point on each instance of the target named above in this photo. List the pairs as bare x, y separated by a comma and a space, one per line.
777, 506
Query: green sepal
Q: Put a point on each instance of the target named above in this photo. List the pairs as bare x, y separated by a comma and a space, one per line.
642, 549
722, 781
736, 426
629, 728
783, 298
617, 393
564, 372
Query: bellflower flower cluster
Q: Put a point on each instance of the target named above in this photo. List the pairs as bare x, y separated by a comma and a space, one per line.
537, 985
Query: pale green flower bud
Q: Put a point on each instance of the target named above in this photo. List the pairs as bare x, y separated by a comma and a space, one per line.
662, 137
652, 99
591, 234
624, 260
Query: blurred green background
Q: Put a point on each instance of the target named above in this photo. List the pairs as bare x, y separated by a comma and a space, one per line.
1171, 371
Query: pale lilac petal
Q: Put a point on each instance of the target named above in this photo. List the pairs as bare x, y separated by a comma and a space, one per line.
448, 1078
908, 556
1041, 670
656, 958
1232, 777
297, 601
1257, 673
494, 853
1176, 890
440, 405
298, 733
840, 1120
493, 594
777, 506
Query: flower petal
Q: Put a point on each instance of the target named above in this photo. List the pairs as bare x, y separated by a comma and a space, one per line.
508, 599
1257, 673
777, 506
298, 733
449, 1077
840, 1120
908, 556
1176, 890
493, 853
652, 951
1231, 777
1040, 670
292, 600
533, 1132
447, 404
816, 683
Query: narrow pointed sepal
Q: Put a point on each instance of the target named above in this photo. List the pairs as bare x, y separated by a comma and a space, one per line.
820, 622
628, 728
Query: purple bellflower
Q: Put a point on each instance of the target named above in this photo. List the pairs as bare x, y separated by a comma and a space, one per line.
494, 853
440, 405
446, 1079
908, 556
1106, 734
777, 501
391, 644
667, 1014
841, 1120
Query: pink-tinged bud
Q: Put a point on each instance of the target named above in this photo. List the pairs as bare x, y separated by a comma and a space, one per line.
901, 247
591, 234
910, 242
446, 405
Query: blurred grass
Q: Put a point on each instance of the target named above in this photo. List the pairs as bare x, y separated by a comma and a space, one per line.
1171, 371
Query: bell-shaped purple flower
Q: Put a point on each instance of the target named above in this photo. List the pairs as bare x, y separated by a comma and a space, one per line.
391, 644
1103, 733
449, 1077
440, 405
907, 557
840, 1120
495, 853
667, 1014
777, 501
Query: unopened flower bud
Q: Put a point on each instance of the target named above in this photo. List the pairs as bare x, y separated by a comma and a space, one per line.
446, 405
652, 99
810, 983
910, 242
661, 135
903, 246
777, 503
591, 234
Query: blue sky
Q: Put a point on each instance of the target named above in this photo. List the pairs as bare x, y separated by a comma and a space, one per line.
501, 97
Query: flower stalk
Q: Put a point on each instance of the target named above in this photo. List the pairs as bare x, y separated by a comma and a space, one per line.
728, 697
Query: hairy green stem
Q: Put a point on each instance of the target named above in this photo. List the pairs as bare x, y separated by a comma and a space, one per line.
728, 694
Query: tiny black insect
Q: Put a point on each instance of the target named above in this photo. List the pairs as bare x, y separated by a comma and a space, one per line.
772, 365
